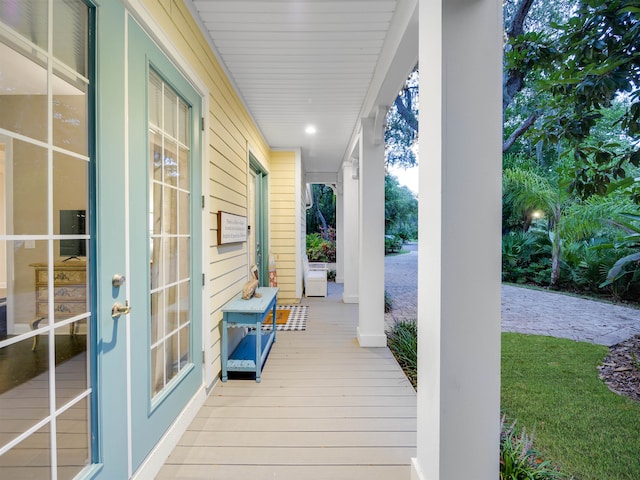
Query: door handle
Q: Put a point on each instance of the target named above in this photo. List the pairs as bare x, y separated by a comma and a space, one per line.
119, 309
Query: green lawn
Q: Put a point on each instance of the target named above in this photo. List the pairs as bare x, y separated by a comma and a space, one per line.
552, 387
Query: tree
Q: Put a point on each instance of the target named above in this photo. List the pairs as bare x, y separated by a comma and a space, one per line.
400, 209
401, 131
322, 214
529, 52
529, 192
601, 63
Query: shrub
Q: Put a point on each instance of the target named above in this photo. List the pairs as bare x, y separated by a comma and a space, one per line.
388, 303
320, 249
392, 244
518, 459
526, 257
403, 342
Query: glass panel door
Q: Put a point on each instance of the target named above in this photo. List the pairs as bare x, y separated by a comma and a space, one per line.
164, 213
258, 240
45, 243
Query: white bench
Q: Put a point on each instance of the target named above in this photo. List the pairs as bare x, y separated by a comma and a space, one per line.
315, 278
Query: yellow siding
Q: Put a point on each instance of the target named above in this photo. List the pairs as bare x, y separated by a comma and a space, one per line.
230, 133
282, 211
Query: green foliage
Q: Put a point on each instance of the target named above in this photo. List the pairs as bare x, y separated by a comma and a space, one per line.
400, 209
551, 385
388, 303
392, 244
575, 69
573, 243
526, 257
322, 214
599, 62
402, 339
320, 249
518, 459
331, 275
627, 266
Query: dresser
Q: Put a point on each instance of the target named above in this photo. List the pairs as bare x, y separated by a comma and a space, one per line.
69, 292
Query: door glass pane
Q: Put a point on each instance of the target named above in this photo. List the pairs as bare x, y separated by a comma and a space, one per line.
27, 189
183, 121
184, 258
158, 380
156, 154
169, 232
170, 162
24, 387
183, 168
183, 217
26, 271
28, 18
30, 459
170, 208
70, 114
170, 112
71, 363
71, 35
70, 190
71, 436
70, 282
23, 83
157, 317
172, 310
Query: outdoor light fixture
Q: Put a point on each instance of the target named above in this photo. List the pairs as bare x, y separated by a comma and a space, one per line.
310, 129
537, 214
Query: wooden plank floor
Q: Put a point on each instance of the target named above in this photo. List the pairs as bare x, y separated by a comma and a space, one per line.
325, 409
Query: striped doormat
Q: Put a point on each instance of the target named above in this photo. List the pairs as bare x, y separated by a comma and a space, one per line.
297, 318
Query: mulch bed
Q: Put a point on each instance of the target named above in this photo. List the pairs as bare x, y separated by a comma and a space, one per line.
621, 369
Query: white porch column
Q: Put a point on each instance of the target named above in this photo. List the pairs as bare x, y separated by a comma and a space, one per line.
340, 230
459, 261
371, 310
350, 239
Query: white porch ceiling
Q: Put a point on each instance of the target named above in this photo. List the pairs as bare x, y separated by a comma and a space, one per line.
325, 63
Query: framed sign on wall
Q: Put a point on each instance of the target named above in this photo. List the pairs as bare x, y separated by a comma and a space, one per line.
231, 228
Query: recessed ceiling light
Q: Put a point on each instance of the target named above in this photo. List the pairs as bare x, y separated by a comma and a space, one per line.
310, 129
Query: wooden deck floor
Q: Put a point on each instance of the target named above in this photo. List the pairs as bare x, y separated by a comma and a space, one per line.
325, 409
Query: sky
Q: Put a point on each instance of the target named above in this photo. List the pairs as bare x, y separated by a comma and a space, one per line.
408, 177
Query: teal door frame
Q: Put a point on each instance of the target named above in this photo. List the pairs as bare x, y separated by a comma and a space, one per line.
262, 217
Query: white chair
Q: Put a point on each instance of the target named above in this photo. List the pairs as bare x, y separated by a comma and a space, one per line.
315, 278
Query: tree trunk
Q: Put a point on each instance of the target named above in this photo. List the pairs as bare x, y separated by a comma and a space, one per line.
513, 80
316, 206
406, 113
518, 132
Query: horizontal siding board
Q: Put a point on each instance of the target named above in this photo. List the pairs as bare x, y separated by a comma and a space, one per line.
218, 204
223, 176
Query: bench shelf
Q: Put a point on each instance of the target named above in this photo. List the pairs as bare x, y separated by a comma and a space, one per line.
250, 354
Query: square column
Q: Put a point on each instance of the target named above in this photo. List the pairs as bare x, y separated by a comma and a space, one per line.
339, 230
459, 240
351, 234
371, 311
